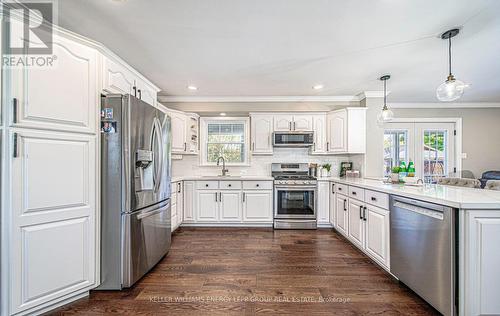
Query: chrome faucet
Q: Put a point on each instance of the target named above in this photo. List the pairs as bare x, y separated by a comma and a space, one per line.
224, 170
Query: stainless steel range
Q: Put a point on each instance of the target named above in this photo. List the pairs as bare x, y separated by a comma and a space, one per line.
295, 195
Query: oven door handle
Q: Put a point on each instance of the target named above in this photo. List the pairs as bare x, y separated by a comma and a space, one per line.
295, 188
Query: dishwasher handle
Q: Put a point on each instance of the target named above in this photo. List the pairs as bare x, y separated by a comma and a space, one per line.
437, 214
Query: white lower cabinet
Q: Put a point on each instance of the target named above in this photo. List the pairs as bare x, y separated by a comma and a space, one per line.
479, 262
230, 206
323, 203
377, 229
341, 213
333, 204
364, 224
207, 205
356, 224
177, 203
228, 202
258, 206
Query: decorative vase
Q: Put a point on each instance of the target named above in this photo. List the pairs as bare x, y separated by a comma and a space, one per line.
395, 177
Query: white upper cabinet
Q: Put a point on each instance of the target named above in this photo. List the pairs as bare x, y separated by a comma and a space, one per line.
347, 131
302, 123
283, 123
184, 132
117, 78
62, 97
320, 135
290, 122
261, 134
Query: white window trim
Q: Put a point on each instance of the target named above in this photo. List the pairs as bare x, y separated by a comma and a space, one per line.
204, 121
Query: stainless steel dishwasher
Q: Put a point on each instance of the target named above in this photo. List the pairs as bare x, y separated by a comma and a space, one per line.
423, 251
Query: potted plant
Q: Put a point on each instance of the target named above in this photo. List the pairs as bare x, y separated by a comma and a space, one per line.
325, 170
395, 174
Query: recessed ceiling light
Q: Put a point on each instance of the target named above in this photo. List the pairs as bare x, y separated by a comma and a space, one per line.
193, 88
222, 114
318, 87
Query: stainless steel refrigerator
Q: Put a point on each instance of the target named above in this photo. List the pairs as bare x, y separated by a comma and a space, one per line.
135, 189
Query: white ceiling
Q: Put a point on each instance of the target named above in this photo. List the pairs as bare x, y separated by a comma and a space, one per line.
284, 47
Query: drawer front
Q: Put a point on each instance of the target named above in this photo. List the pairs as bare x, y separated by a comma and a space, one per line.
341, 188
207, 185
230, 185
377, 198
357, 193
257, 185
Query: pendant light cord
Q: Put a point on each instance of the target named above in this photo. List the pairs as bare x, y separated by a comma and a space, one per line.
385, 93
449, 53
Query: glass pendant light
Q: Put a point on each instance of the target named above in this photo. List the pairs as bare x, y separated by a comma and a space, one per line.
385, 115
452, 89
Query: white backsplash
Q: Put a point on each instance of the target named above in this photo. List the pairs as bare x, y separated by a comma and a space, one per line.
261, 165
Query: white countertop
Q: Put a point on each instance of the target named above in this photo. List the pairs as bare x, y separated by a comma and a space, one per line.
463, 198
219, 178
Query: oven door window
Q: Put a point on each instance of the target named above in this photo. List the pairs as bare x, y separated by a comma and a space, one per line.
296, 203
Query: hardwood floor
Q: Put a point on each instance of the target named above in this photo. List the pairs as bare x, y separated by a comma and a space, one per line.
226, 271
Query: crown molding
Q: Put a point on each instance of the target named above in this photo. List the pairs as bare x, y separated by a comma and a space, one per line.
443, 105
371, 94
242, 99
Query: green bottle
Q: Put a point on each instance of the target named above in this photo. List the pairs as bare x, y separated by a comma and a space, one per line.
411, 169
402, 170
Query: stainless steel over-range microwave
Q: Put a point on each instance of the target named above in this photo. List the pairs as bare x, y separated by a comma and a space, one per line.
293, 139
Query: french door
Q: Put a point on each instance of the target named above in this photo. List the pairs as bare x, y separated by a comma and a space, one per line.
431, 146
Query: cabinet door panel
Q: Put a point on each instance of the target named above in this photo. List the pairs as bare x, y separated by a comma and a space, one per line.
189, 199
117, 78
53, 190
377, 234
333, 204
356, 223
283, 123
338, 131
302, 123
258, 206
207, 205
341, 214
320, 139
230, 206
38, 90
323, 202
262, 130
178, 123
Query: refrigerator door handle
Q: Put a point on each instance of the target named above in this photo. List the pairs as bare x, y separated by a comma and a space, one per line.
157, 148
160, 154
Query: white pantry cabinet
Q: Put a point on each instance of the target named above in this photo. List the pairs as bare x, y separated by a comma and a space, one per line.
323, 202
347, 131
189, 198
261, 132
53, 227
177, 205
64, 97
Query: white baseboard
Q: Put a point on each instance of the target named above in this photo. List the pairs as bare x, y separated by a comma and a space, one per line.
242, 225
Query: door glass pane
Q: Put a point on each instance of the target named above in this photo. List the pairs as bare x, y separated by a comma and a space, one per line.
395, 149
435, 157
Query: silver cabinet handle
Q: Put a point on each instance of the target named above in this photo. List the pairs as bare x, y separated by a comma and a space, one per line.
14, 110
140, 94
15, 153
185, 146
364, 213
327, 146
361, 212
333, 188
345, 207
220, 196
294, 128
243, 196
216, 195
314, 146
